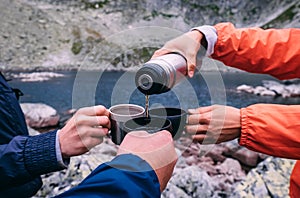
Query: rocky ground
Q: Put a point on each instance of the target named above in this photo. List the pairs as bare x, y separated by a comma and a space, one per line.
222, 170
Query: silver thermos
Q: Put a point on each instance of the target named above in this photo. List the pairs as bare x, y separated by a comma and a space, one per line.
160, 74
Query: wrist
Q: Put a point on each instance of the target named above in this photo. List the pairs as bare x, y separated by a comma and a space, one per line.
209, 37
63, 161
196, 35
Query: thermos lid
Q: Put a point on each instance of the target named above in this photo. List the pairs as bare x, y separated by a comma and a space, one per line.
150, 79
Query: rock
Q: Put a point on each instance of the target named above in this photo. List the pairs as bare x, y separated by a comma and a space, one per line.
269, 179
40, 115
106, 149
191, 160
245, 88
32, 132
259, 89
224, 183
267, 93
36, 76
193, 181
217, 153
294, 90
210, 168
231, 167
172, 191
253, 186
263, 156
231, 147
274, 88
246, 156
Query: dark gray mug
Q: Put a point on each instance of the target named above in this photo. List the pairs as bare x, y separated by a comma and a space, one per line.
148, 124
177, 117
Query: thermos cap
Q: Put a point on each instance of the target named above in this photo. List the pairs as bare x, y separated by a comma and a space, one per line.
150, 79
160, 74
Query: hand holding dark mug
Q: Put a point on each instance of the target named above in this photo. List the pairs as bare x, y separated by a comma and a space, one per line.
156, 149
119, 114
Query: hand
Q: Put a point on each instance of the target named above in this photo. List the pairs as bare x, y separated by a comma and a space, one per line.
84, 131
214, 124
157, 149
187, 45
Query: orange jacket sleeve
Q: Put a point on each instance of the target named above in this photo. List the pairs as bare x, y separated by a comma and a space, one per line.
272, 129
273, 51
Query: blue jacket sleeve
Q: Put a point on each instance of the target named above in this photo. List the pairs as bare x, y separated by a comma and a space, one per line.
25, 158
125, 176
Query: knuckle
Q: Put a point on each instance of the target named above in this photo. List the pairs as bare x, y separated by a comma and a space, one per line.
101, 108
205, 117
80, 111
105, 120
214, 106
80, 119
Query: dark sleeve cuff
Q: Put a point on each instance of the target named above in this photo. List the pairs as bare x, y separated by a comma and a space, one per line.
40, 154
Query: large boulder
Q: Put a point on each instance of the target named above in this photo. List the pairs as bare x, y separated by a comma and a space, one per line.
191, 181
40, 115
269, 179
246, 157
32, 132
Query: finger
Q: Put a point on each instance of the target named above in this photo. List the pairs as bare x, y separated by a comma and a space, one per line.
101, 111
92, 132
198, 119
203, 139
198, 138
94, 110
93, 121
196, 129
103, 121
98, 132
200, 110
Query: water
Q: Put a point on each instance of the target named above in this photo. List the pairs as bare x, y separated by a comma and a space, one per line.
119, 87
